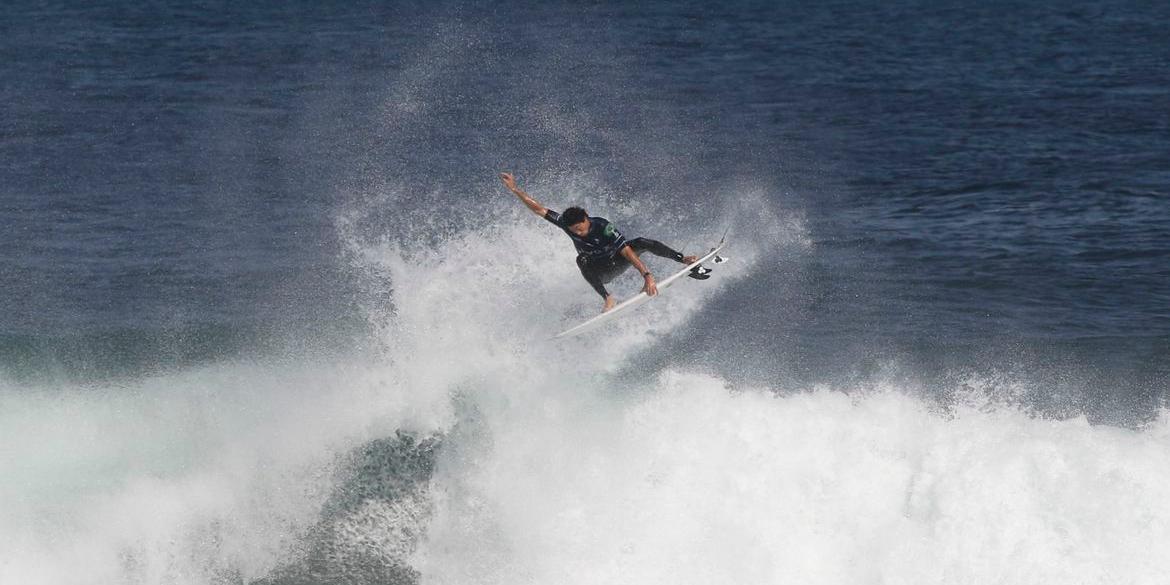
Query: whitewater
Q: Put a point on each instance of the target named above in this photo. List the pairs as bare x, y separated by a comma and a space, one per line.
494, 455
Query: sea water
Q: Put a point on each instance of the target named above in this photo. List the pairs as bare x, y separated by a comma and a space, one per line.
268, 316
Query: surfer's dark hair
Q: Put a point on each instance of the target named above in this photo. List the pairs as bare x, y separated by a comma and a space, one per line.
574, 215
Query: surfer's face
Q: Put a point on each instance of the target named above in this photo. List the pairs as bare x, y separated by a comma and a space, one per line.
580, 228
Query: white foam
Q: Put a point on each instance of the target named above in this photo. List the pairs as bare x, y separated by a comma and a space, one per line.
555, 471
700, 484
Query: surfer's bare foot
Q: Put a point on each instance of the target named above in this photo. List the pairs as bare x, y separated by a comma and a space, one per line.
689, 259
609, 303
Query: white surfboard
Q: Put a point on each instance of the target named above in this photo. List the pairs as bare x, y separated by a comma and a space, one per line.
641, 297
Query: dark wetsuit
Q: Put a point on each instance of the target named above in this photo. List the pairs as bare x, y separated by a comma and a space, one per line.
599, 252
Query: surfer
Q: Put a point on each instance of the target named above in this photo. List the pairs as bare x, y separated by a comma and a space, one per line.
602, 251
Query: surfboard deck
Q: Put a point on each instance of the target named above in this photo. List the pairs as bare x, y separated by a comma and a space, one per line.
642, 297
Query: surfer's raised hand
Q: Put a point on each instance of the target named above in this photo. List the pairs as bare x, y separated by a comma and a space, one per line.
509, 181
529, 202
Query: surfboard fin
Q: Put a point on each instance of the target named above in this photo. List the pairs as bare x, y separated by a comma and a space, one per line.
700, 273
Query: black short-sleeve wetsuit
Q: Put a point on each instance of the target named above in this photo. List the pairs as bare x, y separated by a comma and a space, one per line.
598, 252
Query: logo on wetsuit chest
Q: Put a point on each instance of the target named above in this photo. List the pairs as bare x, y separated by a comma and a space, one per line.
601, 241
605, 241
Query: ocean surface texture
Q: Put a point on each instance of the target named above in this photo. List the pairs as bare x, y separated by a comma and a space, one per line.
268, 316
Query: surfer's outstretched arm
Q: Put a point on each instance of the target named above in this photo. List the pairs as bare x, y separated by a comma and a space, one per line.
510, 183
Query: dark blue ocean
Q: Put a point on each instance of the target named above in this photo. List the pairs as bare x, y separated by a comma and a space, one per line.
267, 314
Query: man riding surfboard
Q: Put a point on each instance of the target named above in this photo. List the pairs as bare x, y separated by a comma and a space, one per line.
602, 251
